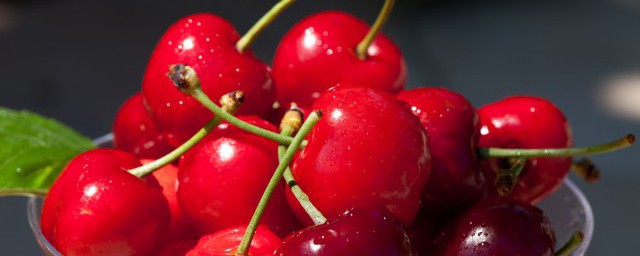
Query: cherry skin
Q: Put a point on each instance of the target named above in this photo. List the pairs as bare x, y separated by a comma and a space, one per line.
451, 121
135, 132
356, 232
222, 179
179, 228
526, 122
498, 226
368, 150
226, 242
320, 52
206, 43
95, 207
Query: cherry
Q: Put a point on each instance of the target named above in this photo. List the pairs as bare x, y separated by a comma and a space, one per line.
134, 131
369, 150
320, 52
208, 44
526, 122
222, 179
451, 121
355, 232
167, 177
96, 207
498, 226
226, 242
177, 247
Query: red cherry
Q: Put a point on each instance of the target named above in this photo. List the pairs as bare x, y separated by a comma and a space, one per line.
167, 177
224, 176
320, 52
225, 242
368, 150
206, 43
451, 121
135, 132
498, 226
96, 207
354, 233
526, 122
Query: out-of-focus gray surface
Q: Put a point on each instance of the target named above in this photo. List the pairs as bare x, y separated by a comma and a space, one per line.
78, 60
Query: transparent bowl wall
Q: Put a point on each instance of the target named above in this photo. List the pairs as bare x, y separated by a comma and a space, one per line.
568, 210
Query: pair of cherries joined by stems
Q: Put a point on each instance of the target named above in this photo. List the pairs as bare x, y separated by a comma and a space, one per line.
368, 165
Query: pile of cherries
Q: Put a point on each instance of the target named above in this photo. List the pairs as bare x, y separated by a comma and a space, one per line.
384, 171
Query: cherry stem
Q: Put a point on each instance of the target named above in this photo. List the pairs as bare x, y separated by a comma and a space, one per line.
199, 95
289, 126
275, 179
508, 178
587, 170
624, 142
383, 16
571, 245
262, 23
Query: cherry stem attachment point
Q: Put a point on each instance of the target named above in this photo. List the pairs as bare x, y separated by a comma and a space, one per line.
248, 38
311, 121
383, 16
621, 143
571, 245
508, 178
291, 124
587, 170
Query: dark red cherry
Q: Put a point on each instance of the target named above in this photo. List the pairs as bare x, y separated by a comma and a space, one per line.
225, 242
355, 232
222, 179
526, 122
206, 43
498, 226
96, 207
368, 150
175, 247
135, 132
320, 52
451, 121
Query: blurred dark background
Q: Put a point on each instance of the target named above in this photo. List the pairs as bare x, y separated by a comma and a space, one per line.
77, 61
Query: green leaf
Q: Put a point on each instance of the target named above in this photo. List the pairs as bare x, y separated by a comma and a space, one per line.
33, 151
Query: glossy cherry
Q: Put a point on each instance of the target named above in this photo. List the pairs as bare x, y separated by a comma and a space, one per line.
355, 232
225, 242
96, 207
451, 121
319, 53
135, 132
368, 150
206, 43
222, 179
526, 122
498, 226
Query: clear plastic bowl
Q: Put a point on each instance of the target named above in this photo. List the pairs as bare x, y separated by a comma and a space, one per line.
568, 210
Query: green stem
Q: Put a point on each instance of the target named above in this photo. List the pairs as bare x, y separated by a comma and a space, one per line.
385, 12
311, 210
262, 23
573, 243
275, 179
143, 170
557, 152
199, 95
